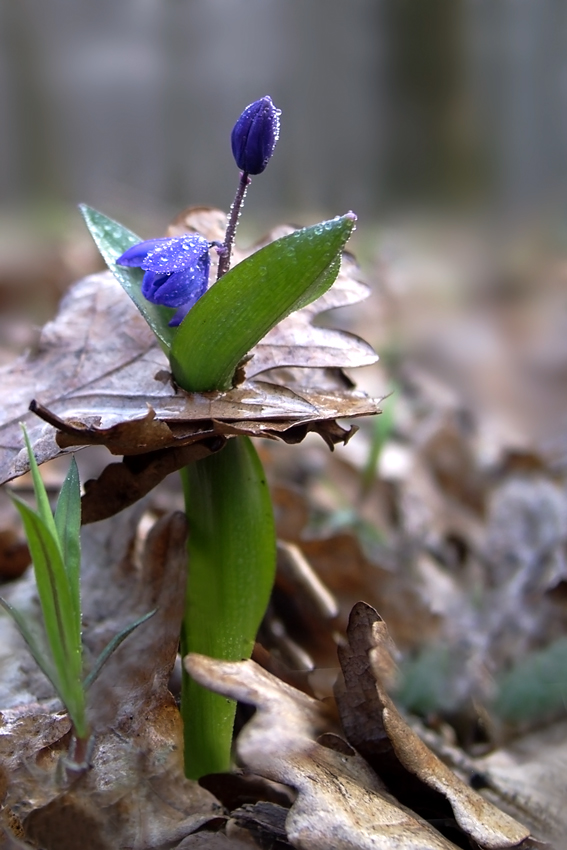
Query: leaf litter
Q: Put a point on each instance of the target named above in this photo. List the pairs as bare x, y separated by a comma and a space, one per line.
468, 505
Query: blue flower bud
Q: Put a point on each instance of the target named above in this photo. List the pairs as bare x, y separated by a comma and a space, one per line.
255, 134
176, 271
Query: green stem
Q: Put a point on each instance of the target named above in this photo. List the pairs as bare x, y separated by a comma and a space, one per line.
232, 551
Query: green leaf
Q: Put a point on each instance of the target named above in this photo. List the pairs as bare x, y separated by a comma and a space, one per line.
253, 297
34, 644
57, 610
112, 239
68, 524
232, 553
113, 645
43, 506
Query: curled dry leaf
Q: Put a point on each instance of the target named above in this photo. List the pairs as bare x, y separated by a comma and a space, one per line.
99, 376
375, 727
136, 794
341, 802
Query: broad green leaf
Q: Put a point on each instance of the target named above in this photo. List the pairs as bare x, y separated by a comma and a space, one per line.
68, 524
56, 607
112, 239
232, 551
252, 298
113, 645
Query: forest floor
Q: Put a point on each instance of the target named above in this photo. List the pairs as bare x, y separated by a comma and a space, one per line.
439, 721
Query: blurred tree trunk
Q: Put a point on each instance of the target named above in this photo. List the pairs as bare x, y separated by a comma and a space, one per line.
33, 137
430, 145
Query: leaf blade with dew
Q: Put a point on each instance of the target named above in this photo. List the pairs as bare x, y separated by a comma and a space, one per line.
112, 646
113, 239
250, 299
68, 524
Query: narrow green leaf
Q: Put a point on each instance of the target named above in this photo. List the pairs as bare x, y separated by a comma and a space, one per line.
68, 524
253, 297
43, 506
56, 606
112, 646
232, 551
34, 644
112, 239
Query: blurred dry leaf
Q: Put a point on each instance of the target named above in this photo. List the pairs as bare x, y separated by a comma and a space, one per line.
100, 375
375, 727
529, 778
348, 574
341, 802
136, 793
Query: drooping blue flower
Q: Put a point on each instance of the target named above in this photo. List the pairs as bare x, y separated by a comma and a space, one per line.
255, 134
176, 271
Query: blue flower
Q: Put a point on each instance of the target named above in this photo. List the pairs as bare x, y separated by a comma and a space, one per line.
176, 271
255, 134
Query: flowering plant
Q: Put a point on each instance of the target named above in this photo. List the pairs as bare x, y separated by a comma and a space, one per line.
207, 330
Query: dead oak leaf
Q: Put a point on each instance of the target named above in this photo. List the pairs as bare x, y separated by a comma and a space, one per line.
375, 727
341, 802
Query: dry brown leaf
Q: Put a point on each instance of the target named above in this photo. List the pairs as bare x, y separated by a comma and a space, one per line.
98, 367
375, 727
529, 778
341, 802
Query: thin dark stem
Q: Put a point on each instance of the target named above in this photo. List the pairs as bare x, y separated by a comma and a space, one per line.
226, 250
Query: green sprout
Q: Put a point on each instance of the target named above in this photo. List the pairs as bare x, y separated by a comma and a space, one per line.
56, 642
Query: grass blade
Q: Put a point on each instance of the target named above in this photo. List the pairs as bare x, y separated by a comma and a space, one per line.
68, 525
112, 646
43, 506
57, 609
34, 645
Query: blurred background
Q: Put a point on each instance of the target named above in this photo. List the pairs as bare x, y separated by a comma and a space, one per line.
387, 104
443, 125
390, 107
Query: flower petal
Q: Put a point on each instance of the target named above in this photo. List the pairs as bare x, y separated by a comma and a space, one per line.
178, 289
136, 255
151, 285
175, 254
255, 134
199, 289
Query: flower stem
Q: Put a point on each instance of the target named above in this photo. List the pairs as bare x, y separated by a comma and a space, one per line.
231, 565
226, 251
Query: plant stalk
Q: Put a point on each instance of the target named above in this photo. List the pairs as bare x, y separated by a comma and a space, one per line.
226, 250
231, 566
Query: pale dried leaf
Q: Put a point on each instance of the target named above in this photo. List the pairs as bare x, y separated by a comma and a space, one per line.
374, 725
529, 778
341, 802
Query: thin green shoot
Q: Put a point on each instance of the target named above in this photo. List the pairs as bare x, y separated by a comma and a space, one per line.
56, 641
